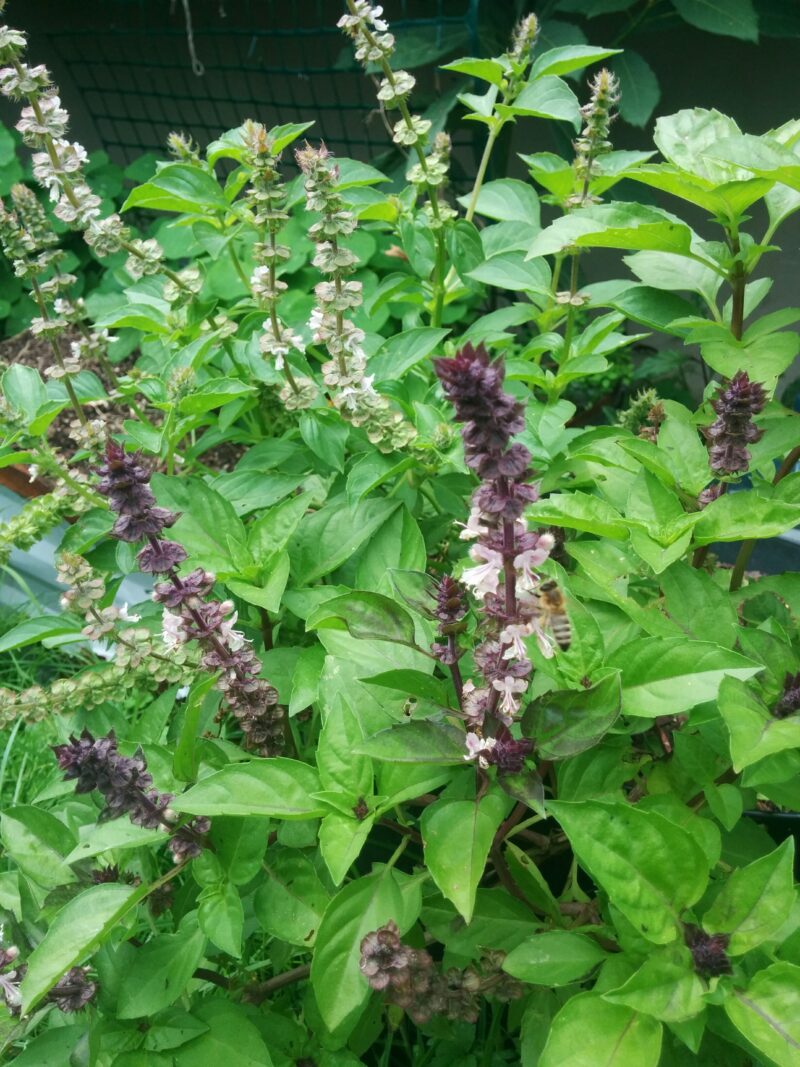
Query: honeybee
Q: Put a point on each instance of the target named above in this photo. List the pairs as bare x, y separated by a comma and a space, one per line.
552, 612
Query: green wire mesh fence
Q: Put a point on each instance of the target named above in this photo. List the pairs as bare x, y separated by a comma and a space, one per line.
142, 68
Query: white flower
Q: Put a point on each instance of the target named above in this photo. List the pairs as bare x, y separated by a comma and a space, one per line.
172, 631
128, 616
509, 687
484, 578
234, 639
183, 692
476, 746
533, 557
513, 636
473, 527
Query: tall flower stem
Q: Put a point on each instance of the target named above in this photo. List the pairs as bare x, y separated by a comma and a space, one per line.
746, 548
56, 348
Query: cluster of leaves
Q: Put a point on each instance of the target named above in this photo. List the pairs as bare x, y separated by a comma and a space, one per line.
616, 897
637, 23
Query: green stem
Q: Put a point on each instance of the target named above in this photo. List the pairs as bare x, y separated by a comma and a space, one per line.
746, 548
494, 133
56, 347
237, 266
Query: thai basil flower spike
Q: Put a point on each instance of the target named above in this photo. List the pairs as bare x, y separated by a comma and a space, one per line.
375, 44
266, 197
188, 615
597, 115
350, 387
516, 62
71, 993
736, 403
127, 788
58, 166
31, 248
506, 554
409, 979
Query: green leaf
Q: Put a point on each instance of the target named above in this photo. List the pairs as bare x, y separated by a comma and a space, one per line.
734, 18
159, 971
487, 70
588, 1031
699, 606
755, 901
569, 58
665, 270
278, 787
511, 270
579, 511
621, 225
652, 307
397, 545
38, 843
507, 200
97, 838
145, 317
403, 351
179, 187
740, 516
457, 836
416, 742
413, 683
231, 1038
640, 91
326, 538
369, 616
214, 394
290, 903
650, 868
24, 389
325, 432
342, 837
269, 594
74, 934
221, 917
464, 246
546, 98
361, 907
754, 731
670, 675
33, 631
767, 1012
770, 355
51, 1047
565, 723
686, 139
553, 958
665, 986
208, 527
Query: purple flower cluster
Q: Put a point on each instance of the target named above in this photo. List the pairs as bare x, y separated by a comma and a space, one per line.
127, 787
126, 484
736, 402
505, 552
188, 615
709, 953
789, 700
71, 993
409, 978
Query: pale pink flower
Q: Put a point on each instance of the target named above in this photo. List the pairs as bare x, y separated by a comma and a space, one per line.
486, 577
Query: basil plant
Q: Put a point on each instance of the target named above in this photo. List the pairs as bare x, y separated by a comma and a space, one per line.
446, 721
